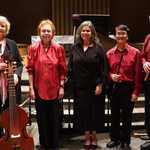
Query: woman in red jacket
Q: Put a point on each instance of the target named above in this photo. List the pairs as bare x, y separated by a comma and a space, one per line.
47, 70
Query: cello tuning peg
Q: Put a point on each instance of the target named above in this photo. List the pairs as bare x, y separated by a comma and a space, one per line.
14, 65
6, 71
6, 61
14, 62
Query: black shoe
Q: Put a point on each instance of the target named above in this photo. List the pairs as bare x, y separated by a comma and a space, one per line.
51, 148
112, 144
122, 145
39, 147
146, 145
127, 147
55, 148
146, 137
93, 147
87, 147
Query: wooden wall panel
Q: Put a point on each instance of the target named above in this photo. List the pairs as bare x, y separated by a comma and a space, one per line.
62, 11
25, 15
133, 13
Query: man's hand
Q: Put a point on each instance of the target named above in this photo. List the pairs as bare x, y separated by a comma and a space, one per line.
146, 67
115, 77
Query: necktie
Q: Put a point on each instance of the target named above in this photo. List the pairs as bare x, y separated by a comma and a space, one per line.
0, 48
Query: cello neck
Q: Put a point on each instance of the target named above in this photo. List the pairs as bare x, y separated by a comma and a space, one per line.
12, 95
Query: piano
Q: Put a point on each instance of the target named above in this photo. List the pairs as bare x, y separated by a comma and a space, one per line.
102, 25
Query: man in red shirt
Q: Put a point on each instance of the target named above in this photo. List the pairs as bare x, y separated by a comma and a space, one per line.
124, 63
146, 66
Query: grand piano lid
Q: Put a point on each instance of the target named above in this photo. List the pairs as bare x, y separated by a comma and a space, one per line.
102, 25
100, 21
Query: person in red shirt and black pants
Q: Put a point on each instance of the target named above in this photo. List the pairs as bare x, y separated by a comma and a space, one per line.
146, 67
124, 63
47, 70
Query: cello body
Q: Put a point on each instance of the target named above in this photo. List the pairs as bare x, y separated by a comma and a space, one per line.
14, 120
20, 139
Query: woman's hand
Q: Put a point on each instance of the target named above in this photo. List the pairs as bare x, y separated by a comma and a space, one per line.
3, 66
61, 92
98, 89
32, 93
134, 98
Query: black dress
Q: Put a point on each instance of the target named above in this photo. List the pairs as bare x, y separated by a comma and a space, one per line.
87, 70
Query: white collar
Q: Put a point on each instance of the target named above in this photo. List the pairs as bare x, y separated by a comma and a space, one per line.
3, 43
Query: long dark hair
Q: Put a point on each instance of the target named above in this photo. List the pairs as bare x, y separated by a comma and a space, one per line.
94, 38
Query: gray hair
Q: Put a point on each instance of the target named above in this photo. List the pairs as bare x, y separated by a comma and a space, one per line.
78, 39
5, 20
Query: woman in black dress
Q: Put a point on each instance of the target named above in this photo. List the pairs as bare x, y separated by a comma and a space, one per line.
87, 71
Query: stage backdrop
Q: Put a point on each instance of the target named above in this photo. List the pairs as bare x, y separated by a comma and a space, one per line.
24, 15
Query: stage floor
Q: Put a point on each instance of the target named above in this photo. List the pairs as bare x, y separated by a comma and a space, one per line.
70, 141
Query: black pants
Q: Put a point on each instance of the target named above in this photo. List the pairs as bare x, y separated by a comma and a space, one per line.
48, 121
147, 105
121, 111
91, 109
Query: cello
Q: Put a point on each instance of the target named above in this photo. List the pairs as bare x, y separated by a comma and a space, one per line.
14, 120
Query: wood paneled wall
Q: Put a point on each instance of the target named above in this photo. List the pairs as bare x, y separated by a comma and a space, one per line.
25, 15
133, 13
62, 11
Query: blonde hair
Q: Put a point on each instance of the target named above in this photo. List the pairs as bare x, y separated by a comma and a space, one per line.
46, 21
5, 20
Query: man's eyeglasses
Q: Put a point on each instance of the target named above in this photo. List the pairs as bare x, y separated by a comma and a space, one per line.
121, 33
